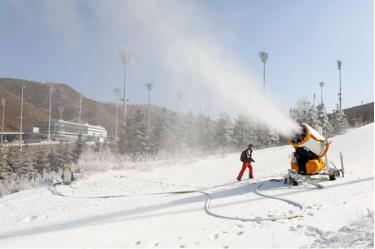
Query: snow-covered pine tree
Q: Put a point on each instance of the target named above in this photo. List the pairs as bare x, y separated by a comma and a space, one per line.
324, 123
205, 134
191, 132
141, 138
172, 139
157, 136
339, 121
223, 131
27, 167
52, 161
12, 156
240, 131
3, 163
78, 149
305, 112
313, 117
40, 162
62, 156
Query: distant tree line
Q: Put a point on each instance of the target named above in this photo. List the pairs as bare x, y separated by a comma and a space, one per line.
172, 133
29, 165
318, 118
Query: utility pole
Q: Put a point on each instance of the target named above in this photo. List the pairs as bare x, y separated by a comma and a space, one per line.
80, 108
117, 92
340, 93
149, 88
2, 123
321, 84
22, 84
125, 57
49, 114
263, 58
61, 109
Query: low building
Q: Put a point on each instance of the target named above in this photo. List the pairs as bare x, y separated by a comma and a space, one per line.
61, 130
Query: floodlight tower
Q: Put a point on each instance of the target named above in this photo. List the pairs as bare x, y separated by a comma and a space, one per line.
49, 114
340, 93
2, 123
23, 85
263, 58
321, 84
125, 57
149, 88
117, 93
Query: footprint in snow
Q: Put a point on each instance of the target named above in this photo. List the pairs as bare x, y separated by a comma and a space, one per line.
138, 242
214, 237
30, 218
240, 233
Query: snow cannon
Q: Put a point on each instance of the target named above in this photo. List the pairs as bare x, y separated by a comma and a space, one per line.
310, 151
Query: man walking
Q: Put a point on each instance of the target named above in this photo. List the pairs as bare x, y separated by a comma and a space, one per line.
246, 159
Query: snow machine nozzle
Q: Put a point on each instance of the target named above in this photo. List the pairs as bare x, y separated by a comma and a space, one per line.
310, 151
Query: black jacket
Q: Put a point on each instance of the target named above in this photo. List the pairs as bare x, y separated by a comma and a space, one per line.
246, 157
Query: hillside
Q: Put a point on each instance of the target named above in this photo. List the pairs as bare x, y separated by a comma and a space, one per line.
36, 104
338, 216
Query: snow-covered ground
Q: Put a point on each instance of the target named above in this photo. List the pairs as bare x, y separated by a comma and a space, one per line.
340, 215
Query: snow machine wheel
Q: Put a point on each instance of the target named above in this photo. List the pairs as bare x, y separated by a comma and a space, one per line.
332, 177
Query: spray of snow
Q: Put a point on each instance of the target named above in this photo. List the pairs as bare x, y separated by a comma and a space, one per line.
177, 37
192, 54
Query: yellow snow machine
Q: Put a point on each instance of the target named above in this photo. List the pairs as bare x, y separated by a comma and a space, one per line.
310, 157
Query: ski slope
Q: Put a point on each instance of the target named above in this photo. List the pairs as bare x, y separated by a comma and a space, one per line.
336, 216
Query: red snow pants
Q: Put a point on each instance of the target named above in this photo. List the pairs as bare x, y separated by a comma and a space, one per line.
244, 166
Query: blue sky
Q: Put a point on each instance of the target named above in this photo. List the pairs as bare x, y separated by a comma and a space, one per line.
77, 42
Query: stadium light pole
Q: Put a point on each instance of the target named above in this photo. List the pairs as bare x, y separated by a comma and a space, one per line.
117, 92
340, 93
125, 57
2, 123
263, 58
149, 88
321, 84
49, 114
22, 84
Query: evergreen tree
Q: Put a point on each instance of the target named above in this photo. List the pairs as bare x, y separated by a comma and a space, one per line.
11, 157
53, 164
339, 121
157, 137
141, 138
3, 164
78, 149
324, 123
206, 134
40, 162
240, 131
305, 112
223, 131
